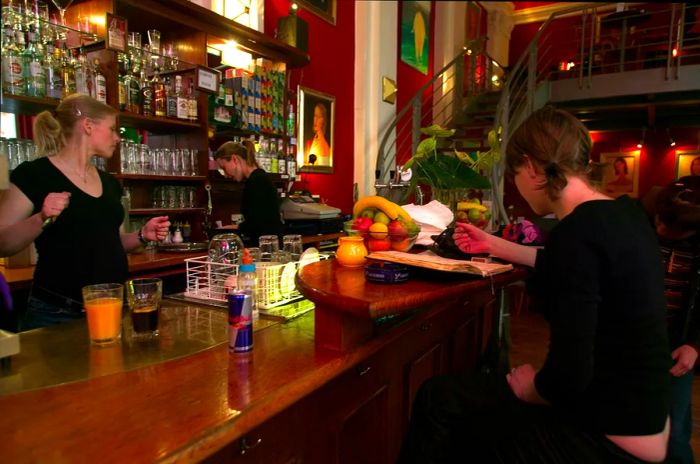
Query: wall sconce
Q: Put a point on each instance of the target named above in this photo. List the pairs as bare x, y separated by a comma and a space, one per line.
671, 142
641, 141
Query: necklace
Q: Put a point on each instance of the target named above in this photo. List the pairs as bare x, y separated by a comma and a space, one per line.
75, 171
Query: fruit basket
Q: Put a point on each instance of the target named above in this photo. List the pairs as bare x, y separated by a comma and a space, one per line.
382, 238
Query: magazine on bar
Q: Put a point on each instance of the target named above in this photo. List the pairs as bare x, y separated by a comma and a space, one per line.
430, 260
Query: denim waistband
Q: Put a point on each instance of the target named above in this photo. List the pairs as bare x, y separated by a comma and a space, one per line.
66, 303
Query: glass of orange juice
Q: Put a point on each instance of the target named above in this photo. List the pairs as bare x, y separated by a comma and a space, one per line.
103, 306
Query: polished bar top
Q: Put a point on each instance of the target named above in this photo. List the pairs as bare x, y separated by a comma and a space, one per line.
186, 408
62, 354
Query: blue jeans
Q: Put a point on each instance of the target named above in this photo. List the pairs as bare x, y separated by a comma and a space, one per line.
679, 450
42, 313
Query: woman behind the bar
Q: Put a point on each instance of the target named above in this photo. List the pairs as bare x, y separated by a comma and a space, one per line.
71, 210
603, 392
676, 212
260, 204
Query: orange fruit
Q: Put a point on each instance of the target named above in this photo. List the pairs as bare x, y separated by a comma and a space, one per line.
378, 230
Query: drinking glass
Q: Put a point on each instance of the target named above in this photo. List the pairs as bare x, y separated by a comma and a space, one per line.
269, 245
154, 40
292, 244
103, 308
143, 297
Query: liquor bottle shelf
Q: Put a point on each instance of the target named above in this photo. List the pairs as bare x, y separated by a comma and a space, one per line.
23, 104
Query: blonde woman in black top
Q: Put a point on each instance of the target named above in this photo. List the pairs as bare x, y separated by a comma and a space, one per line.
71, 210
603, 392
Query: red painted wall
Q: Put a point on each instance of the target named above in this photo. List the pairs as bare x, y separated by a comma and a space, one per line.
331, 70
409, 80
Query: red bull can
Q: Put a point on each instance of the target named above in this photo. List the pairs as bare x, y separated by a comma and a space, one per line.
240, 322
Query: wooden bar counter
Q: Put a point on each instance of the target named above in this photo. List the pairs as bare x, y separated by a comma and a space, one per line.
302, 395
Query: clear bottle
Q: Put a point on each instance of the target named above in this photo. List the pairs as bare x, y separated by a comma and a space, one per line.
291, 163
171, 100
192, 104
52, 66
281, 159
100, 84
183, 104
33, 67
12, 69
67, 72
80, 72
248, 281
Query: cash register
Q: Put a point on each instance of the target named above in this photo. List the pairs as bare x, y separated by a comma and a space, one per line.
299, 206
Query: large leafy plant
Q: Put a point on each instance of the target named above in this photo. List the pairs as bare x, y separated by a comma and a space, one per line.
450, 169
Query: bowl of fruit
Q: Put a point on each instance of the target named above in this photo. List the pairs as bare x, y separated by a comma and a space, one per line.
382, 224
473, 212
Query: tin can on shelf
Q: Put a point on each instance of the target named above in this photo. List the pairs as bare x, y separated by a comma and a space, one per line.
240, 321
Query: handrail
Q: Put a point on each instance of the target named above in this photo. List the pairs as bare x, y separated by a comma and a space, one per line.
454, 71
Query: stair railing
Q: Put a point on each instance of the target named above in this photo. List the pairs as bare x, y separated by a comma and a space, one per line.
439, 101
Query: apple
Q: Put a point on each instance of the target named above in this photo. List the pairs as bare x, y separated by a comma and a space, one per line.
382, 218
403, 245
368, 213
376, 244
397, 231
362, 224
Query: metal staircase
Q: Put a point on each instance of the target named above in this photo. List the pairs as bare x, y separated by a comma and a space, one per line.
655, 63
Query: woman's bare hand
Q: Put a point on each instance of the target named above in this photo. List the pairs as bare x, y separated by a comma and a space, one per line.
54, 204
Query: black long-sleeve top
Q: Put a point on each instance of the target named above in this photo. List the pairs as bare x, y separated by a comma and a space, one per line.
601, 284
260, 207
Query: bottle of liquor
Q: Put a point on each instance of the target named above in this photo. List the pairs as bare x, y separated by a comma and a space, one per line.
146, 94
52, 67
33, 66
80, 72
12, 69
159, 97
192, 104
281, 159
272, 154
67, 72
183, 104
133, 93
171, 100
100, 84
291, 120
291, 163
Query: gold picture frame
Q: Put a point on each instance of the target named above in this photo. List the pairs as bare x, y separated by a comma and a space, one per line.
316, 142
620, 174
325, 9
687, 163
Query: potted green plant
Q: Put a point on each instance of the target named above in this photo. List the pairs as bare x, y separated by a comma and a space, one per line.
451, 174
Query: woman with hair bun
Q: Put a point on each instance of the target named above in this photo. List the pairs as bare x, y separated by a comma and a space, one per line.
602, 394
70, 210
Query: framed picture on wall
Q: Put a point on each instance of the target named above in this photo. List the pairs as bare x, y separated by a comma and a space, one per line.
687, 164
620, 174
115, 38
316, 124
415, 34
323, 8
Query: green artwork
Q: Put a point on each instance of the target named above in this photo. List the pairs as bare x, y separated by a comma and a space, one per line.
415, 34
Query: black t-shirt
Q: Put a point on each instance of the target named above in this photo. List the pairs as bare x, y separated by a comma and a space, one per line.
601, 283
260, 207
83, 246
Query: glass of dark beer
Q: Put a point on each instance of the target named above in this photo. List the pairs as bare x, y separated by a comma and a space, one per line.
143, 297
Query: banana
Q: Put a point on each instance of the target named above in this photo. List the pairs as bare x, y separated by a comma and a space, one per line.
467, 205
391, 209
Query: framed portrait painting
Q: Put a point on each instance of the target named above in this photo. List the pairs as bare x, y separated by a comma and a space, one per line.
415, 34
323, 8
620, 174
316, 128
687, 164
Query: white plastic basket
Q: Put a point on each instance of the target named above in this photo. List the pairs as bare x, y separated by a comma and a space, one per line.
213, 281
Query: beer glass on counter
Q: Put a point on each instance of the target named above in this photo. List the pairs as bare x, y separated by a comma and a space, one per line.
103, 308
143, 297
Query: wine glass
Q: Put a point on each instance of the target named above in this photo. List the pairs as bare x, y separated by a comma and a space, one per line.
62, 6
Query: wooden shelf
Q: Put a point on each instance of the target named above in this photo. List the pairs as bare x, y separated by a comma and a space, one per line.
189, 15
148, 177
22, 104
165, 211
153, 123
